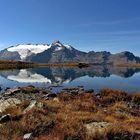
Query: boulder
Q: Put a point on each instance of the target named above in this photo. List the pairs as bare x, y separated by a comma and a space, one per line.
4, 104
96, 127
11, 91
31, 105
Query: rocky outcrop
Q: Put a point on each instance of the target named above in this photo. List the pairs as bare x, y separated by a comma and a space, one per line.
6, 103
99, 127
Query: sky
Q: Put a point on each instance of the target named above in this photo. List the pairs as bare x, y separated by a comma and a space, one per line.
99, 25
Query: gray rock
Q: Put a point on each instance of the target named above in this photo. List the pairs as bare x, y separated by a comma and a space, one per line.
11, 91
50, 96
39, 105
89, 91
4, 104
96, 126
31, 105
27, 136
56, 99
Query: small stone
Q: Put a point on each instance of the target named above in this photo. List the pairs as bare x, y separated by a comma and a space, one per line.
56, 99
89, 91
52, 95
39, 105
31, 105
27, 136
5, 118
137, 132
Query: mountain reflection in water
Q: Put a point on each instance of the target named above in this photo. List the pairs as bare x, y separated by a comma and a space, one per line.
69, 76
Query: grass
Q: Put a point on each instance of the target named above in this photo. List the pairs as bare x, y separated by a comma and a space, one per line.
70, 113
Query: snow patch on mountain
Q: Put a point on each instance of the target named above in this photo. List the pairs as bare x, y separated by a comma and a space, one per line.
68, 47
27, 50
58, 48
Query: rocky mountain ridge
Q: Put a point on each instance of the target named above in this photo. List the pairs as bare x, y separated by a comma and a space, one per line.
57, 52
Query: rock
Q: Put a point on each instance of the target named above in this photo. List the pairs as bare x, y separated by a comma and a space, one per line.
89, 91
75, 90
4, 104
39, 105
7, 88
48, 96
53, 95
5, 118
27, 136
137, 132
31, 86
12, 91
96, 126
31, 105
56, 99
70, 89
122, 135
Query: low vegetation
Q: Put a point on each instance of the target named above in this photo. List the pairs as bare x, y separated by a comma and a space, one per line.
108, 115
11, 64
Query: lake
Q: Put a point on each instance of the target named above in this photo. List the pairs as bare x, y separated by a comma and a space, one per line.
95, 77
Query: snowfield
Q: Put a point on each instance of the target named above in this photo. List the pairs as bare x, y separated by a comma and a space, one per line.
27, 50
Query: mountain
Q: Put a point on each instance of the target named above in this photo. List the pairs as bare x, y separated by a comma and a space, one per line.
60, 53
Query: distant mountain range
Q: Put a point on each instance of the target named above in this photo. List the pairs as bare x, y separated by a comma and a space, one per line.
60, 53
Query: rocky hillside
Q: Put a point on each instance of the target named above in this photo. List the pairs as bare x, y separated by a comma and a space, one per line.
60, 53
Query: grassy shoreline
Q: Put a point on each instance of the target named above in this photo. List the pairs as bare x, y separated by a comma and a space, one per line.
10, 64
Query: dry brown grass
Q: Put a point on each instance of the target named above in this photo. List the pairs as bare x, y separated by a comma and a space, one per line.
69, 114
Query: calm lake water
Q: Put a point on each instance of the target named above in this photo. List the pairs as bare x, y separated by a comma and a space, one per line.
95, 77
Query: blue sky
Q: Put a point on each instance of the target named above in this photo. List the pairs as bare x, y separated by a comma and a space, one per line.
110, 25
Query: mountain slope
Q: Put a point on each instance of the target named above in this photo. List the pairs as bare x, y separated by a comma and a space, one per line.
60, 53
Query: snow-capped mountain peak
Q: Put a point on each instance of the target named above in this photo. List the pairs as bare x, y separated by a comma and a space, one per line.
26, 50
60, 46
